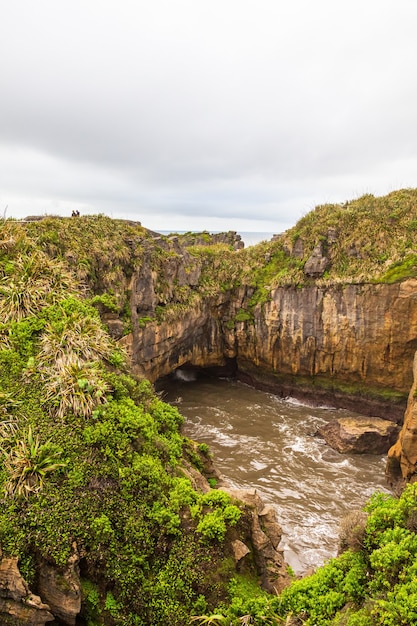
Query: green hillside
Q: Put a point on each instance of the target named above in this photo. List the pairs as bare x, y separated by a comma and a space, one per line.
365, 240
91, 460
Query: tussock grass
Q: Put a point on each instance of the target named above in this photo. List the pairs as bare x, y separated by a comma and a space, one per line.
370, 239
73, 386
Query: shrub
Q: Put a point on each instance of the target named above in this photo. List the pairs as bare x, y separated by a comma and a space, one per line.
27, 464
32, 282
352, 531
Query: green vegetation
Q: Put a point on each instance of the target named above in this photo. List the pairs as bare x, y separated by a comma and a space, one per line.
366, 240
91, 460
373, 582
241, 316
220, 268
27, 462
400, 270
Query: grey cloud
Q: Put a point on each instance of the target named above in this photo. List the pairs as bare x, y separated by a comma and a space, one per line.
229, 110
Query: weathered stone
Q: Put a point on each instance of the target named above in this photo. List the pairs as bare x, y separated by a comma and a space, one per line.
198, 481
402, 457
298, 249
240, 550
332, 235
115, 325
18, 605
61, 588
264, 539
269, 521
317, 264
360, 435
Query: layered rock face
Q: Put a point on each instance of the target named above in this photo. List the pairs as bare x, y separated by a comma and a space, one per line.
59, 594
18, 605
315, 338
365, 335
191, 335
264, 537
160, 348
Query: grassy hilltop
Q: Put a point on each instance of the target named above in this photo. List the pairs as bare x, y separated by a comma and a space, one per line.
92, 460
368, 240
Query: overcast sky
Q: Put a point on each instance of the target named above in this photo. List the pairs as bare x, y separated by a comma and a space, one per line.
205, 114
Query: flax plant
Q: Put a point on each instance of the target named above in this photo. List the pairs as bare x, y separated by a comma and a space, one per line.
30, 282
8, 434
75, 386
68, 361
75, 337
12, 236
27, 464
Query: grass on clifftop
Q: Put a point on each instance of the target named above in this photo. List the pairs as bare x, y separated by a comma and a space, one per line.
370, 239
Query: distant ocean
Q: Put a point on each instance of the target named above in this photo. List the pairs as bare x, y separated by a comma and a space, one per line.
249, 238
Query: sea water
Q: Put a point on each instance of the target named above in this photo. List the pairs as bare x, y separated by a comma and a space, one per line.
261, 441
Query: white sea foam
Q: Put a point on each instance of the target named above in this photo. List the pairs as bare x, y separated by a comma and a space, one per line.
186, 376
294, 401
258, 465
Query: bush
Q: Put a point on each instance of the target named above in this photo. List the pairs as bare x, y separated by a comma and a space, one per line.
352, 531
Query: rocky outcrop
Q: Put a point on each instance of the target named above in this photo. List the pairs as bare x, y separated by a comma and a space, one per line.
61, 589
317, 263
18, 605
402, 457
230, 238
59, 594
360, 435
158, 349
260, 543
264, 539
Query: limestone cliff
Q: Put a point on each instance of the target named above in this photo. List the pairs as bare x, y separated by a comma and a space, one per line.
331, 338
329, 307
321, 339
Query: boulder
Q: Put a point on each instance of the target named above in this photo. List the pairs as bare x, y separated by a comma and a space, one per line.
240, 550
317, 264
360, 435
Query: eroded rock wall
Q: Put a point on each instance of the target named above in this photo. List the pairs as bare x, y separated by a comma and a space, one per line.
402, 456
196, 338
360, 334
311, 337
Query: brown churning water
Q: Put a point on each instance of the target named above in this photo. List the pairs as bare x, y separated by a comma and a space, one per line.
262, 441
